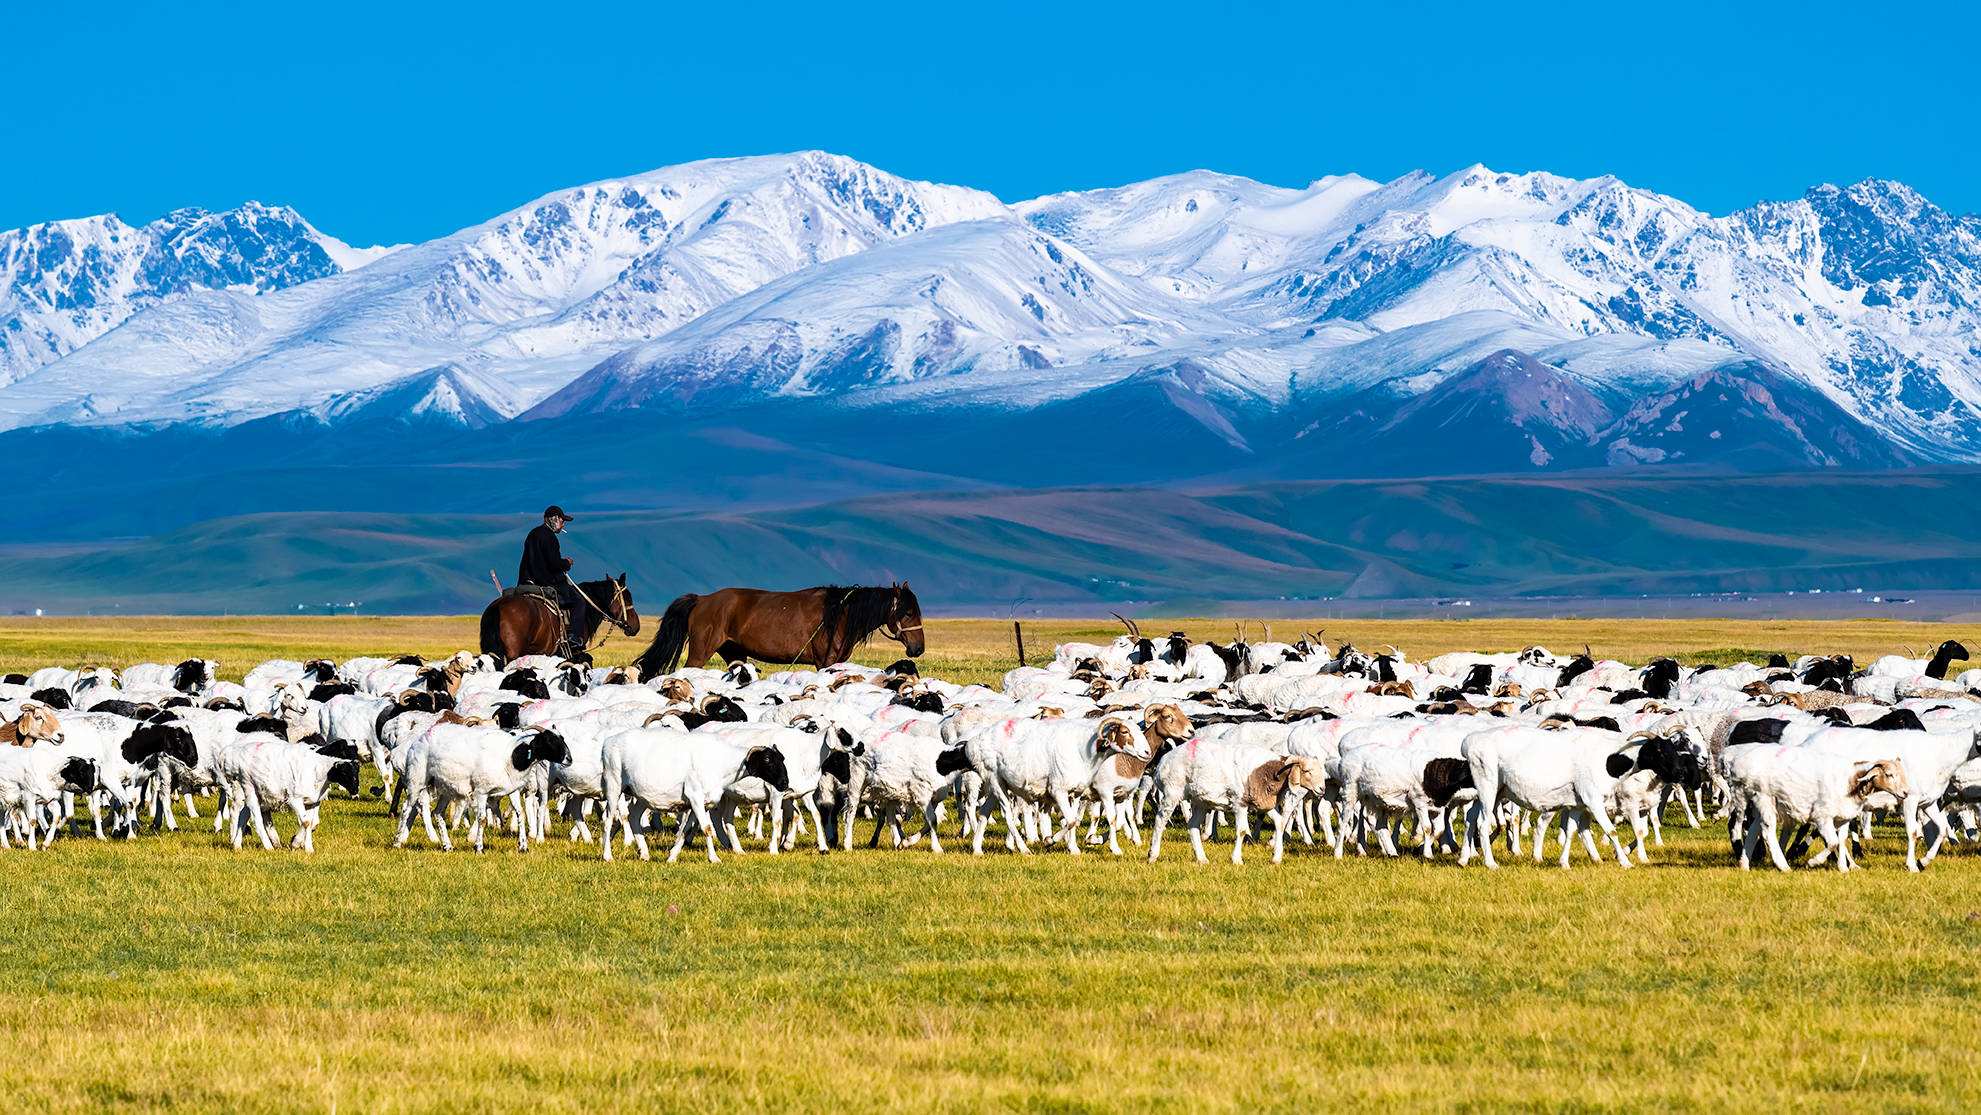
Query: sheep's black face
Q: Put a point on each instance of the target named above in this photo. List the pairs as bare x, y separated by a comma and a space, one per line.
1953, 651
1479, 679
189, 675
1443, 778
527, 683
324, 691
922, 702
721, 708
549, 747
344, 774
905, 667
341, 749
53, 698
767, 763
151, 740
1660, 677
79, 775
1577, 666
509, 716
269, 724
409, 660
1674, 760
952, 761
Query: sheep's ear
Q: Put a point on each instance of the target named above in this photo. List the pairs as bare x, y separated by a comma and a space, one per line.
520, 757
1619, 764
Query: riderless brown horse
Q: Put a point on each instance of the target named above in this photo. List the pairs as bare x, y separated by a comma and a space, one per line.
522, 624
819, 626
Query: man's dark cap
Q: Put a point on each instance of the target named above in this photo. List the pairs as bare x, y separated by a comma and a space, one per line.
556, 512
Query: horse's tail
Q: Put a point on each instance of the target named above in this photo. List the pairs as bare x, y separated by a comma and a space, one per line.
670, 640
491, 629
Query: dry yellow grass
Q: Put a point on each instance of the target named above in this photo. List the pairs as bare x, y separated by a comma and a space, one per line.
962, 649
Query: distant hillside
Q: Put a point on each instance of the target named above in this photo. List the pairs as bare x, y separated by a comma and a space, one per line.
1583, 535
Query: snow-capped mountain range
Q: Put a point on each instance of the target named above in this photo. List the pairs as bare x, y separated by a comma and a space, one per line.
1516, 320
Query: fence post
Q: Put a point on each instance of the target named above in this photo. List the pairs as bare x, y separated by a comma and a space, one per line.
1018, 632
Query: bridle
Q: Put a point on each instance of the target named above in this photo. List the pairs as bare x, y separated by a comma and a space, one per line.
894, 628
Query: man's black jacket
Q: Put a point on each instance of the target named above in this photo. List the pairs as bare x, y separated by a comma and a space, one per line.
544, 562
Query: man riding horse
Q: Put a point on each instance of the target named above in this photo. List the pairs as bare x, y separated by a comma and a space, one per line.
544, 563
515, 625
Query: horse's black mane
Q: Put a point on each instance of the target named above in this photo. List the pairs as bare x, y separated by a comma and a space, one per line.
855, 612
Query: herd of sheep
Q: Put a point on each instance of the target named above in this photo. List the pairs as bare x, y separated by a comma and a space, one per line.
1108, 742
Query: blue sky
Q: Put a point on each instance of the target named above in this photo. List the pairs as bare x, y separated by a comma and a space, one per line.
402, 121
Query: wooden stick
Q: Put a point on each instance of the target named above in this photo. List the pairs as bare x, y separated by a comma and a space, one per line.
1018, 632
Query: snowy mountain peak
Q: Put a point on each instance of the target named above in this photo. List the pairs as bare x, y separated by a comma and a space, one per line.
65, 283
808, 275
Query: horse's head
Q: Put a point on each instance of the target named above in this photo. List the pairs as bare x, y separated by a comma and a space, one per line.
622, 606
904, 620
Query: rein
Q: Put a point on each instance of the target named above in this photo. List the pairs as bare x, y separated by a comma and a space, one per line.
618, 592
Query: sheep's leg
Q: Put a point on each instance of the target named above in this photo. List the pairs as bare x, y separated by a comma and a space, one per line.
1279, 817
681, 831
1764, 809
1114, 810
1480, 820
1389, 828
1826, 828
931, 815
1569, 821
1909, 813
1542, 822
1241, 824
1069, 820
1164, 810
1012, 835
1936, 835
1427, 827
263, 830
298, 807
614, 803
1684, 805
811, 802
633, 821
708, 830
1201, 822
1638, 824
405, 811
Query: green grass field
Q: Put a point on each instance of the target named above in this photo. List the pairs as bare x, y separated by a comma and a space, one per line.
172, 973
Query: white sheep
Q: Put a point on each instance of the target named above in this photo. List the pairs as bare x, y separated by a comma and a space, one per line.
261, 769
1209, 775
475, 765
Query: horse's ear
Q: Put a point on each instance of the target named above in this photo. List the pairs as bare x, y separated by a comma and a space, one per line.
622, 579
903, 586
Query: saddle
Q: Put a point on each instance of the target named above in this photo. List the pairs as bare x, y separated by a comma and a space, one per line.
568, 635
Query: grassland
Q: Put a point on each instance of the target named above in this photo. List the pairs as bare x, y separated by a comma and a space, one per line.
173, 974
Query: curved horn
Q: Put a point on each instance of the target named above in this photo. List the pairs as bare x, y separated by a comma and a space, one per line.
1586, 652
1393, 651
1643, 734
1128, 624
